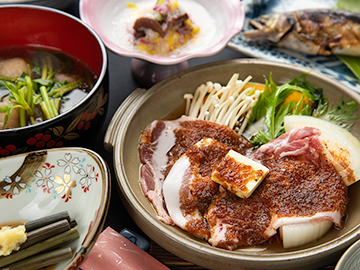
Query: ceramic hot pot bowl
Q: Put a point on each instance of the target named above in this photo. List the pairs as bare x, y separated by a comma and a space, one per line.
51, 28
165, 101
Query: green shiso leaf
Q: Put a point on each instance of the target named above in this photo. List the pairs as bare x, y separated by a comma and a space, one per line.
353, 5
352, 62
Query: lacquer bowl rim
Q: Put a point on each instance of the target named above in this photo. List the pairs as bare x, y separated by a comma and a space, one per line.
97, 86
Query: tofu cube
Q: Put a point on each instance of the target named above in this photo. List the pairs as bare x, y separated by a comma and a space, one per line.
239, 174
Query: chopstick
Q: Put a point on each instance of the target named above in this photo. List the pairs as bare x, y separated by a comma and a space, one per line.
41, 222
45, 232
42, 260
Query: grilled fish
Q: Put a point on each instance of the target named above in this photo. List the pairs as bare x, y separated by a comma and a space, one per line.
315, 32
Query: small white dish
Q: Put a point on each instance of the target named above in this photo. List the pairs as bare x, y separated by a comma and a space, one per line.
350, 260
54, 180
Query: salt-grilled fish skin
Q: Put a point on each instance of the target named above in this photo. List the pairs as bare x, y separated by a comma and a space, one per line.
312, 31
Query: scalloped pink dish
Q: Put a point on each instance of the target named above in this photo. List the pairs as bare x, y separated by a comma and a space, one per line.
227, 17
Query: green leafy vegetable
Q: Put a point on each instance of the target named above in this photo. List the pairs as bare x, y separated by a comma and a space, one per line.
352, 62
271, 108
352, 5
341, 114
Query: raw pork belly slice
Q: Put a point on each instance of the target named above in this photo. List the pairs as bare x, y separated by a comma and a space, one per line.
163, 142
155, 143
302, 142
188, 188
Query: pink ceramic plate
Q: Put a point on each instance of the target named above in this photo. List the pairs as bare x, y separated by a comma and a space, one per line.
228, 17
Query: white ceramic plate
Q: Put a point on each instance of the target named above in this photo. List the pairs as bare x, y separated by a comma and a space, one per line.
72, 179
329, 65
350, 260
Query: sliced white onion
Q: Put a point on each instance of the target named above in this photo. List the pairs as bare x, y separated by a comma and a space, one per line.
343, 148
296, 235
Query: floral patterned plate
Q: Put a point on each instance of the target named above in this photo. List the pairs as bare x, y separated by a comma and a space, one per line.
329, 65
40, 183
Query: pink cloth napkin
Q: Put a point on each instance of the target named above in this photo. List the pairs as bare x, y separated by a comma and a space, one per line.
113, 251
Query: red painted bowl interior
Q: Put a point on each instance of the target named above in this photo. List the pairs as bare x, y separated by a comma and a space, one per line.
21, 26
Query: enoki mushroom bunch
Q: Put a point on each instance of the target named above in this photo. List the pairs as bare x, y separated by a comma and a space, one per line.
230, 105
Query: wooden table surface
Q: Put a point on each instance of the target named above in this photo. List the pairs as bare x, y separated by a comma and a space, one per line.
176, 263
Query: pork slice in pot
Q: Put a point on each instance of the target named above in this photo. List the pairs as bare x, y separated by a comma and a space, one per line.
162, 143
301, 186
315, 190
155, 142
188, 188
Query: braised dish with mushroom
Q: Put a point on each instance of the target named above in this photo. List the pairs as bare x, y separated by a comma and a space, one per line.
164, 29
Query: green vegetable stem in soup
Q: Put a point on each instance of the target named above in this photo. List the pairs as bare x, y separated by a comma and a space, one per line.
38, 84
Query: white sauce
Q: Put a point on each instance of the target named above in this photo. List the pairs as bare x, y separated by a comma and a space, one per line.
123, 32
